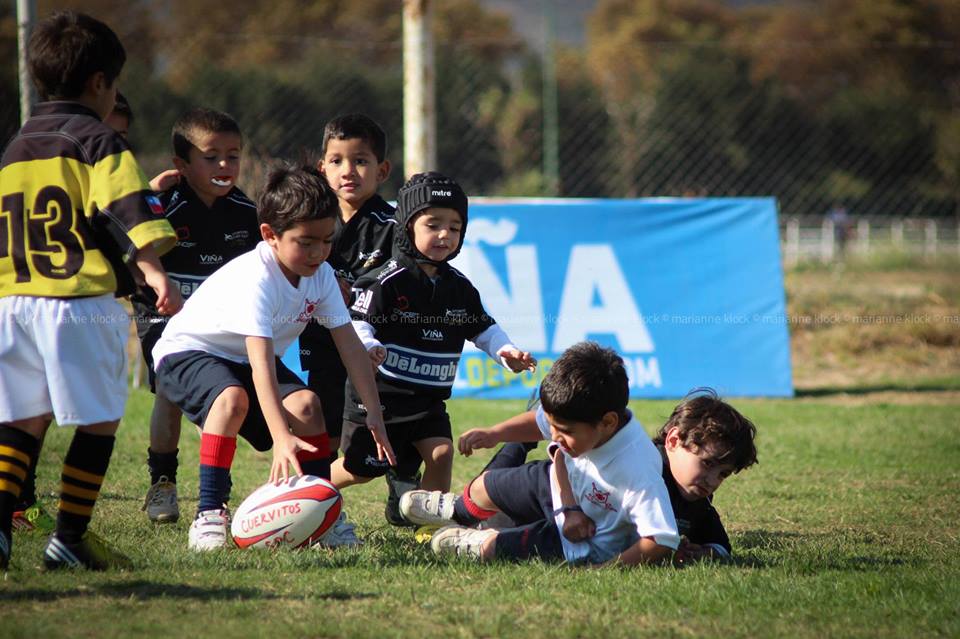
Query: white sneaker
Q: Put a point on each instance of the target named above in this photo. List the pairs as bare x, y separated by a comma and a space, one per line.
460, 541
428, 507
161, 502
210, 530
341, 533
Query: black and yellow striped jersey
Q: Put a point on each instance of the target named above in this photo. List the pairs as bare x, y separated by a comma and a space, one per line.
72, 201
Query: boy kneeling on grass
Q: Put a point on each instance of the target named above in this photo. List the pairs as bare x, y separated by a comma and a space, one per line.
611, 465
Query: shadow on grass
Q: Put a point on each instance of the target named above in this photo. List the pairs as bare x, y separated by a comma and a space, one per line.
905, 387
808, 552
146, 590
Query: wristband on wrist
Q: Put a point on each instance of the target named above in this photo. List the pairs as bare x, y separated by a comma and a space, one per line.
567, 509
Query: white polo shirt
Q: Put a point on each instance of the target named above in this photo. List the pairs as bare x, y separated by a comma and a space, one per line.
250, 296
620, 487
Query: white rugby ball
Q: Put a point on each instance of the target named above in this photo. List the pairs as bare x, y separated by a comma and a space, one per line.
291, 514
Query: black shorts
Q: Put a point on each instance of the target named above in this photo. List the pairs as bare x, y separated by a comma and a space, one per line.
149, 334
523, 494
193, 380
329, 384
360, 451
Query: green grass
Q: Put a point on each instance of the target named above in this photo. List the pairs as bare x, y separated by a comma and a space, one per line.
847, 527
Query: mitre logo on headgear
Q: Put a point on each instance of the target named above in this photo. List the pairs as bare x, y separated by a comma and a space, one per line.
441, 193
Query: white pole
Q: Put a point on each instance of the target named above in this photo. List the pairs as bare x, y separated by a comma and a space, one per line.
419, 106
827, 240
793, 241
863, 236
930, 237
26, 14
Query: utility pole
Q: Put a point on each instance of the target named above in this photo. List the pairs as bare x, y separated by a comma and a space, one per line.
551, 117
26, 15
419, 102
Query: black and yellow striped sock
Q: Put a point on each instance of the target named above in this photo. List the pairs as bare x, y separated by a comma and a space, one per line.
18, 450
83, 471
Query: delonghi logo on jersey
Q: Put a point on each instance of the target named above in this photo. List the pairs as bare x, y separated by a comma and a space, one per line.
362, 303
431, 334
211, 259
186, 283
419, 367
441, 193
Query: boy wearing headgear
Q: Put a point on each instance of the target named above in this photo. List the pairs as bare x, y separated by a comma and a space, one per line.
413, 315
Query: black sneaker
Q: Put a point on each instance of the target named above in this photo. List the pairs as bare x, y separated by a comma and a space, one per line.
397, 486
92, 553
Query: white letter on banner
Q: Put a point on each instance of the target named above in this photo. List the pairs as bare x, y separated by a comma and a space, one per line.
594, 267
519, 314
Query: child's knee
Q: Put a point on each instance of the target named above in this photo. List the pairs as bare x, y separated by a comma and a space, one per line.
306, 413
232, 404
441, 455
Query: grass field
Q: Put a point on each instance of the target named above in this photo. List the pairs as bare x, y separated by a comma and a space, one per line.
847, 527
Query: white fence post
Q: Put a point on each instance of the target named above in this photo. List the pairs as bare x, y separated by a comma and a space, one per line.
863, 236
792, 248
896, 234
930, 238
827, 241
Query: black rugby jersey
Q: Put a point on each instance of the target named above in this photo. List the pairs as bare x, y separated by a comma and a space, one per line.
74, 204
697, 520
207, 238
359, 246
423, 324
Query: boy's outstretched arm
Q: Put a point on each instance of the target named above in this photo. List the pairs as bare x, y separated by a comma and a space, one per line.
169, 300
357, 362
645, 551
285, 444
519, 428
577, 526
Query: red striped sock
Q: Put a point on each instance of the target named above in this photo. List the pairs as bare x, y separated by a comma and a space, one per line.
472, 507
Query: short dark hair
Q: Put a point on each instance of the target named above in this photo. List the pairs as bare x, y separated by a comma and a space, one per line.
122, 107
295, 194
356, 126
197, 121
585, 383
706, 422
67, 48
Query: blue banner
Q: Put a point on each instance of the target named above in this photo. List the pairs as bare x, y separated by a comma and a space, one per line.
688, 291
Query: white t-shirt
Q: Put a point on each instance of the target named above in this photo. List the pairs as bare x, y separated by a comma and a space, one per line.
250, 296
620, 487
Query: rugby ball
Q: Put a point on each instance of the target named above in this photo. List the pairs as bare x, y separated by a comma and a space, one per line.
291, 514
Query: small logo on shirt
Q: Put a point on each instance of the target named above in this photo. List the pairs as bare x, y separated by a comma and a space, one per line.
236, 237
154, 203
309, 308
370, 259
432, 335
362, 304
456, 315
600, 498
211, 259
441, 193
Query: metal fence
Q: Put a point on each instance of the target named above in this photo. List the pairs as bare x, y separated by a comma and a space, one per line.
706, 126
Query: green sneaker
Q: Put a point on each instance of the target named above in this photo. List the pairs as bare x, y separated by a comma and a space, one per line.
92, 553
34, 519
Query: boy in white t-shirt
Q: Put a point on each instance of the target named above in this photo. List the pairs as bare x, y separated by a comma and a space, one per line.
218, 359
611, 465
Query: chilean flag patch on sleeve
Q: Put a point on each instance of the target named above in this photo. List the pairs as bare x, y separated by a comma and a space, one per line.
154, 203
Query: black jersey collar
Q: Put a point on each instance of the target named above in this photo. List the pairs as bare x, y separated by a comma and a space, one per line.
63, 107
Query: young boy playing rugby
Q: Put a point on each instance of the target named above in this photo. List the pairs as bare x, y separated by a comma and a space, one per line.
613, 470
74, 202
414, 315
354, 161
215, 222
217, 359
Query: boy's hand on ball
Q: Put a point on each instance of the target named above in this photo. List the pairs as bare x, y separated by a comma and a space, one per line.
284, 453
517, 360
